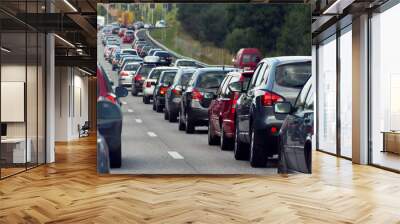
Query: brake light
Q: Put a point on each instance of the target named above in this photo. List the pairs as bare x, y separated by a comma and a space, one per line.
176, 92
123, 73
138, 77
274, 130
148, 84
111, 98
163, 90
234, 102
270, 98
197, 95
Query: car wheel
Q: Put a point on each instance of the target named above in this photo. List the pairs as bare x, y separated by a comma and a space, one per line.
172, 117
212, 139
166, 115
181, 122
189, 125
159, 108
241, 149
154, 104
146, 100
134, 91
226, 143
115, 157
257, 156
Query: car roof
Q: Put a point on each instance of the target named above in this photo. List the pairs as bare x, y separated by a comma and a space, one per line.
166, 67
216, 68
287, 59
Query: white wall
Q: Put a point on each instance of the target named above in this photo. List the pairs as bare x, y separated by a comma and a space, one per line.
71, 102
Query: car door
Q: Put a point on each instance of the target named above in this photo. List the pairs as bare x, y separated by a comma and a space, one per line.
222, 100
245, 103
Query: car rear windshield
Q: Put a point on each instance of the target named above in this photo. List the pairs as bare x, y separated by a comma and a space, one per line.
156, 73
131, 67
187, 63
293, 75
247, 58
144, 70
211, 80
162, 54
185, 78
168, 77
132, 52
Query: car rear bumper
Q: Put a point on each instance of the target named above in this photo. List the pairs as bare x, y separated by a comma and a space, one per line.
174, 105
148, 91
199, 116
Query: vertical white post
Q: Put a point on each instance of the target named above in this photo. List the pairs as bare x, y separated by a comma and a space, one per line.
50, 99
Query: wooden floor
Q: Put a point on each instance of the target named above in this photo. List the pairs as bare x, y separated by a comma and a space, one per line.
70, 191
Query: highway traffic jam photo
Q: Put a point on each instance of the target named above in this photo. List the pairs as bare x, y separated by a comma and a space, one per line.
204, 89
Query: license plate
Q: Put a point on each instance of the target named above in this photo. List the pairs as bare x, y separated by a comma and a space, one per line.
176, 100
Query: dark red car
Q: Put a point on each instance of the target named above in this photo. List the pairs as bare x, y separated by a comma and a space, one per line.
221, 113
247, 58
128, 37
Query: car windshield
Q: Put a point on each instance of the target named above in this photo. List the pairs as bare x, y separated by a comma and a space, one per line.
247, 58
162, 54
293, 75
131, 67
168, 77
186, 78
187, 63
211, 80
144, 70
155, 74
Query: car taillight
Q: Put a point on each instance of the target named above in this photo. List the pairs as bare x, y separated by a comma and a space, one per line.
138, 77
111, 98
274, 130
197, 95
234, 102
270, 98
148, 84
176, 92
124, 73
163, 90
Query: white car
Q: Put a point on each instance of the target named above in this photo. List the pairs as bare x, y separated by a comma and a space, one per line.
151, 80
127, 72
185, 63
161, 24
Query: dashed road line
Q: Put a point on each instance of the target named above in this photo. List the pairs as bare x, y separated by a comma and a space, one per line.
130, 110
151, 134
123, 102
139, 121
175, 155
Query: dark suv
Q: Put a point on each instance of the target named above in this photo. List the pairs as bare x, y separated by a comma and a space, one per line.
296, 132
198, 95
174, 93
162, 85
139, 77
257, 125
165, 57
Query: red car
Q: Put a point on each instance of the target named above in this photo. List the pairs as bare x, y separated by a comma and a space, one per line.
128, 37
121, 32
221, 113
247, 58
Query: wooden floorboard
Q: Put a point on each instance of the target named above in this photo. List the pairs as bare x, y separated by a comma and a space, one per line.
70, 191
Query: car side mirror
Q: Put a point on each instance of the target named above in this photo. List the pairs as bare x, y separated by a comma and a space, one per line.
282, 108
236, 86
121, 91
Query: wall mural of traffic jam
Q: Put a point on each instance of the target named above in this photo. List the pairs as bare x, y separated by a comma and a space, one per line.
204, 88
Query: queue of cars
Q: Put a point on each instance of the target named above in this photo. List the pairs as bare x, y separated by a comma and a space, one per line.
259, 108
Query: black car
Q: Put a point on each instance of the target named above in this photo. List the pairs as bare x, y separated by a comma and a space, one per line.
295, 136
257, 125
174, 93
115, 30
153, 50
198, 95
165, 57
139, 77
163, 83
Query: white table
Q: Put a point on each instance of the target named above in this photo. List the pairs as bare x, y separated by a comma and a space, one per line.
19, 154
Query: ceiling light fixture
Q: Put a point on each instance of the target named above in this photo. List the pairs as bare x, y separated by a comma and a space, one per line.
5, 50
70, 5
64, 40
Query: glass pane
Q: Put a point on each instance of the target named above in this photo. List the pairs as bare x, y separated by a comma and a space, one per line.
345, 94
13, 86
41, 99
327, 95
385, 84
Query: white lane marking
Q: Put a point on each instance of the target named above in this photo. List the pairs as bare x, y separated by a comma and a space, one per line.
175, 155
123, 102
151, 134
139, 121
130, 110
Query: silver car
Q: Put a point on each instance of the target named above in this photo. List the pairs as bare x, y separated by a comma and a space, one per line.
127, 72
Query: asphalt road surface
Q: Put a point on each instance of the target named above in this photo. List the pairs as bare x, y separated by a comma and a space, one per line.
151, 145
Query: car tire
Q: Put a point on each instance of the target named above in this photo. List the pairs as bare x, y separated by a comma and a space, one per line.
166, 115
154, 105
172, 117
190, 127
115, 157
212, 139
226, 143
181, 125
134, 91
241, 149
257, 156
159, 108
146, 100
